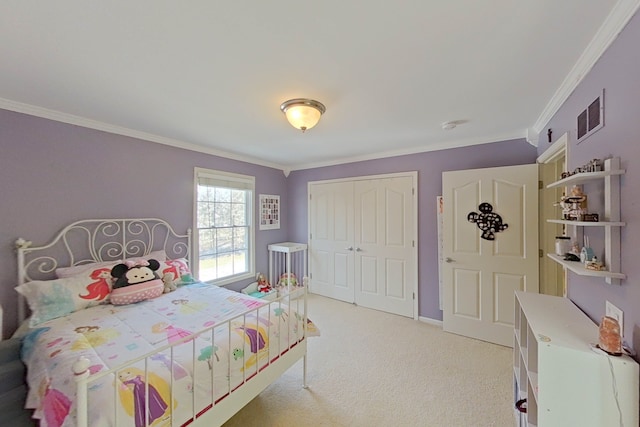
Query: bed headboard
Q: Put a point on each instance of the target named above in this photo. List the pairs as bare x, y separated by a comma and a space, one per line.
97, 240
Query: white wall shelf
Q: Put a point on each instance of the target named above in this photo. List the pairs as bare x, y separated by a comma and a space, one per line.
579, 268
588, 223
581, 178
610, 221
566, 381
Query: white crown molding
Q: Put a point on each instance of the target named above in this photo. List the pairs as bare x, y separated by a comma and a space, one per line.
416, 150
57, 116
556, 149
532, 137
615, 22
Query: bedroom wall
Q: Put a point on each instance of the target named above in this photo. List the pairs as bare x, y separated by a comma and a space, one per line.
54, 173
430, 166
617, 73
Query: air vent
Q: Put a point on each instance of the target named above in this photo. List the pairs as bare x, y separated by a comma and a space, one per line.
591, 119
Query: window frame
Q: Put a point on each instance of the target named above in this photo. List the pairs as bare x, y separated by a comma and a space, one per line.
245, 182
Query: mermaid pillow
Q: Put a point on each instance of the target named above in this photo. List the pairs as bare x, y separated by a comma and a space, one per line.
50, 299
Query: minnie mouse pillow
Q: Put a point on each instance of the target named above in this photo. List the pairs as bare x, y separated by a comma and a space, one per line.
136, 281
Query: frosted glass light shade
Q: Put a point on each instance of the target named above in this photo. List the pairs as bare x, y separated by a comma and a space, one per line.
302, 113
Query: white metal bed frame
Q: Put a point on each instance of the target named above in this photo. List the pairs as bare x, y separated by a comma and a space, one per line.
100, 240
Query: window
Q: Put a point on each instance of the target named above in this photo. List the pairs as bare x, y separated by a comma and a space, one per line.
225, 232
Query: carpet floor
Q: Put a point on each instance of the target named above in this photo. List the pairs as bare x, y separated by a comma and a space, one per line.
369, 368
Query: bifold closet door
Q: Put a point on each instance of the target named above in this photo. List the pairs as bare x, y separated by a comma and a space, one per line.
385, 270
362, 242
331, 236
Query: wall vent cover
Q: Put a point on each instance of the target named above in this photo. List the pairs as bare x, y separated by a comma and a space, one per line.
591, 119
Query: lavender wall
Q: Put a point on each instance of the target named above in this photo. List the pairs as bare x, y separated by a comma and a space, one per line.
53, 173
430, 166
617, 72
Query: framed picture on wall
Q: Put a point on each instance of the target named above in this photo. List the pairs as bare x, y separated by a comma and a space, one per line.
269, 212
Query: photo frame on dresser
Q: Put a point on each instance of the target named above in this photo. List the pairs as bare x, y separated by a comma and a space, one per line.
269, 212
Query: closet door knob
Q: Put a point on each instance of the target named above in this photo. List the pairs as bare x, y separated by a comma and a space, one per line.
358, 250
447, 259
350, 248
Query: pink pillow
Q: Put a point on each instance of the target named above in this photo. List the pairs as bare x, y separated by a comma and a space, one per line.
136, 293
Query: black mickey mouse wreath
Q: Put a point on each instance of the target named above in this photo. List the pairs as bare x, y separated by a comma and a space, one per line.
487, 221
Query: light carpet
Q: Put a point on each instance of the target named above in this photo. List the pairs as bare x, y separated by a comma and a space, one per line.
370, 368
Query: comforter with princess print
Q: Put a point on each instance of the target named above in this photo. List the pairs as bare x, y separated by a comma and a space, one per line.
180, 352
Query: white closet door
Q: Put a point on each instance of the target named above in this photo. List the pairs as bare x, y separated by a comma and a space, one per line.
331, 228
363, 242
385, 271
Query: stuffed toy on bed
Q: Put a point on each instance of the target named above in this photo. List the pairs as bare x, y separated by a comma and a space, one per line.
263, 284
169, 283
288, 279
135, 281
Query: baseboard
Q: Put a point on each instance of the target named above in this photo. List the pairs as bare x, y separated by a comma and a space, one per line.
431, 321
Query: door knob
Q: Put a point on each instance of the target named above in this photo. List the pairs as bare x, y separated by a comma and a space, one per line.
447, 259
358, 250
350, 248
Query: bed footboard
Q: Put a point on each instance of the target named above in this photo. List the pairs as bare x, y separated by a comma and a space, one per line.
204, 397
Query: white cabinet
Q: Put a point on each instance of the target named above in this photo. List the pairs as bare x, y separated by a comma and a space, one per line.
288, 267
610, 221
565, 380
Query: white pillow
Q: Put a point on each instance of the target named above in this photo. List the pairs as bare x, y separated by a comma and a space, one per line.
50, 299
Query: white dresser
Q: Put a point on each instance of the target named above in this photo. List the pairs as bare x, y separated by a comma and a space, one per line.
564, 379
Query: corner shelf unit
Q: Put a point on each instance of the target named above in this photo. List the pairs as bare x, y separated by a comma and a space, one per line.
565, 380
611, 221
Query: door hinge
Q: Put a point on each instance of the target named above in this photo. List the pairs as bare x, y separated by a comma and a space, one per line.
310, 236
540, 185
413, 191
413, 243
310, 196
414, 295
540, 253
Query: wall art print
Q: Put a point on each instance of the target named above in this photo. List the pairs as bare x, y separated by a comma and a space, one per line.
269, 212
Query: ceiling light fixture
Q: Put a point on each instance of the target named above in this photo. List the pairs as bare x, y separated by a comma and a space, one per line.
303, 113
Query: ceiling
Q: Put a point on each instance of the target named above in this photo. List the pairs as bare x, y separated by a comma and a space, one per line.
211, 75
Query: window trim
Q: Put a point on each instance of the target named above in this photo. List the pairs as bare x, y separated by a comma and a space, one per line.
249, 183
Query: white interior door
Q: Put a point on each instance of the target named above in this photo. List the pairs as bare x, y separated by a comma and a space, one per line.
331, 229
552, 275
480, 276
385, 268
